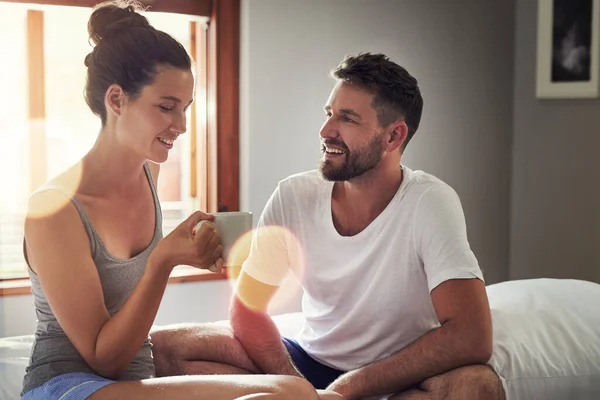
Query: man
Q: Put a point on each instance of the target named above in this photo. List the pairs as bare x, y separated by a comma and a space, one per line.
394, 299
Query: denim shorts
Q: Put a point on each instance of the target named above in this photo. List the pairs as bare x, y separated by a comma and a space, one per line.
71, 386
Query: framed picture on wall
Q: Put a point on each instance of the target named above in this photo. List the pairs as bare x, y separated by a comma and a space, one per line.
568, 44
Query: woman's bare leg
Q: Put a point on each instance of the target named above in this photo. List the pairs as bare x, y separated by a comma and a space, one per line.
323, 395
259, 396
212, 387
329, 395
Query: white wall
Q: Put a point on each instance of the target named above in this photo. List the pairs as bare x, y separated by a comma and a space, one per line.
17, 316
199, 302
460, 51
555, 225
182, 302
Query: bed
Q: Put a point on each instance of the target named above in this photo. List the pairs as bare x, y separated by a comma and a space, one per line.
546, 341
14, 354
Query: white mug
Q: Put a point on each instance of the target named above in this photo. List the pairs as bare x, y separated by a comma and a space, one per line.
230, 226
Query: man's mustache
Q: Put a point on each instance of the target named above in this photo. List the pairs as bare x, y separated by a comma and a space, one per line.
335, 143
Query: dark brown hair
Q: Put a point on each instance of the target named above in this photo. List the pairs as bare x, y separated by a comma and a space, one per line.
127, 52
397, 94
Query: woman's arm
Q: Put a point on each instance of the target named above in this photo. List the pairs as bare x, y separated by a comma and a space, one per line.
58, 248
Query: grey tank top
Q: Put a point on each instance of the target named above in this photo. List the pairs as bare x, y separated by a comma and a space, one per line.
53, 353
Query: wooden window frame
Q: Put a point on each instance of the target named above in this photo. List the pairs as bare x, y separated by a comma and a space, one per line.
201, 8
218, 168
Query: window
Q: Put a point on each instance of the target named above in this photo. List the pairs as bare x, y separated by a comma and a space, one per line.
52, 127
13, 129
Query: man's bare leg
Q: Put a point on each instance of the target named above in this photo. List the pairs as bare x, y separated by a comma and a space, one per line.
199, 349
475, 382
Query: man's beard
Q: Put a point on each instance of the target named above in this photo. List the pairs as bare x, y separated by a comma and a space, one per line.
355, 163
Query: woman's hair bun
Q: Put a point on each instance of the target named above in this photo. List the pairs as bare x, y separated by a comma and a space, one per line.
114, 16
127, 52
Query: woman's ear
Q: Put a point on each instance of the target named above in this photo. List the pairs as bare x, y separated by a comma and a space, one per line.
398, 132
114, 99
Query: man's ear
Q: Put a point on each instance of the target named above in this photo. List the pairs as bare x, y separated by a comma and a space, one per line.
114, 100
397, 134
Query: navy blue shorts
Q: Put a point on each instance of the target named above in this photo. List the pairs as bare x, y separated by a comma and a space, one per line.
316, 373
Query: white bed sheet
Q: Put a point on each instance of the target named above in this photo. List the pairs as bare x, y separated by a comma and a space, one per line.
14, 355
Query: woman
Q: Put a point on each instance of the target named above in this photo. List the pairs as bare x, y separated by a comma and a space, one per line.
93, 239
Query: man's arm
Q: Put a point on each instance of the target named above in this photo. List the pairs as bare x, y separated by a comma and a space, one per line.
464, 338
255, 329
262, 273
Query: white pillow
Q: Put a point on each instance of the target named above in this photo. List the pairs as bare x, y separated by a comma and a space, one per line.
547, 338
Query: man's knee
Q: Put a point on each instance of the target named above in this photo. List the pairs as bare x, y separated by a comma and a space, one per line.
164, 352
483, 379
186, 349
171, 345
474, 382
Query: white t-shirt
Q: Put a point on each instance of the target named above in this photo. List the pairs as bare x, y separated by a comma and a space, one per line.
366, 296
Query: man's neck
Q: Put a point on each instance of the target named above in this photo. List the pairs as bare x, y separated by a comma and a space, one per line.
358, 202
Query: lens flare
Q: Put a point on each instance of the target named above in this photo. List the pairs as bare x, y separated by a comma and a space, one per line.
68, 183
237, 255
278, 253
288, 296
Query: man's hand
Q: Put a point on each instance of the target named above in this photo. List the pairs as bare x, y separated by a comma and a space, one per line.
464, 338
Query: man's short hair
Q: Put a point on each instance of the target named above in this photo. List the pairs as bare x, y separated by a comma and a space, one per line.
397, 95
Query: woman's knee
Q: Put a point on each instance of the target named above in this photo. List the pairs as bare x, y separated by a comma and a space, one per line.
292, 387
329, 395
